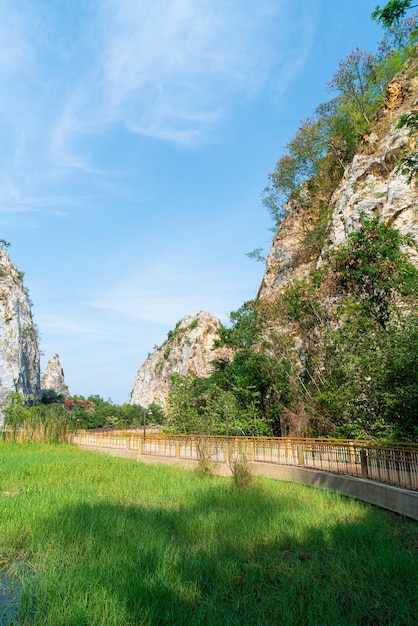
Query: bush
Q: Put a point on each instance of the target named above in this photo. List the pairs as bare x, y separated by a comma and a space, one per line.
205, 463
241, 472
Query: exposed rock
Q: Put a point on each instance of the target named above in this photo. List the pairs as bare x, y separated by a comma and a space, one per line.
371, 184
284, 261
19, 353
53, 378
188, 349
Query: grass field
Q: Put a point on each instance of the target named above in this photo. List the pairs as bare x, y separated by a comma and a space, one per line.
87, 539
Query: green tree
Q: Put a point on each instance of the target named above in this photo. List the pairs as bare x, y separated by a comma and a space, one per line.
401, 379
364, 378
49, 396
369, 380
245, 327
392, 12
352, 81
247, 386
314, 147
257, 380
182, 415
354, 375
80, 411
158, 415
16, 411
373, 268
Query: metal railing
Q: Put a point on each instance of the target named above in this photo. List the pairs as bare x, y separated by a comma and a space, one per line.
391, 463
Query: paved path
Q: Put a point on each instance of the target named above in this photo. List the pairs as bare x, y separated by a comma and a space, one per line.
402, 501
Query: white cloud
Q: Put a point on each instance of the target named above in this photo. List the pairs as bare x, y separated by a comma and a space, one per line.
17, 209
60, 325
16, 52
172, 70
166, 291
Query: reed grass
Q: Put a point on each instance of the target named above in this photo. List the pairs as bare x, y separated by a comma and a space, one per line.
95, 540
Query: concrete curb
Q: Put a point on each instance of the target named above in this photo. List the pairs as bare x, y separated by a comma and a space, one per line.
394, 499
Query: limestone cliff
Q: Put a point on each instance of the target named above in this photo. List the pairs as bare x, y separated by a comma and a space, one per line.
371, 184
53, 378
19, 353
188, 349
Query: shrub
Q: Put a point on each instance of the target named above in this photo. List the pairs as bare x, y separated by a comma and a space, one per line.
241, 472
204, 452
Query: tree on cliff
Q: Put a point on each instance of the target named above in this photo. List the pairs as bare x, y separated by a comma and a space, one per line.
373, 268
392, 12
359, 360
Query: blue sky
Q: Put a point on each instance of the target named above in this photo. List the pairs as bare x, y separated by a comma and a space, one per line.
136, 140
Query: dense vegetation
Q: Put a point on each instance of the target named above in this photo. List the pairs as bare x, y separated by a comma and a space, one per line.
337, 352
91, 539
354, 370
55, 416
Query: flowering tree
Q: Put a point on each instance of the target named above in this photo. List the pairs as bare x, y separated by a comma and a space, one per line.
352, 81
81, 410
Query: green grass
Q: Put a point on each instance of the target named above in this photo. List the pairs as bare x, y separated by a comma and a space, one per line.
95, 540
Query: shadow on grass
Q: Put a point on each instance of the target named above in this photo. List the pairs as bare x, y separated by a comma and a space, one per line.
225, 559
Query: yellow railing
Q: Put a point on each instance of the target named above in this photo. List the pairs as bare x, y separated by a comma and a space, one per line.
391, 463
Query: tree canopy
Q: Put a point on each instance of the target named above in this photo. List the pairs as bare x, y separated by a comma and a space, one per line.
392, 12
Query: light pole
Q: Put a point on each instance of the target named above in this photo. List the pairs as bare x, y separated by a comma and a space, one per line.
145, 420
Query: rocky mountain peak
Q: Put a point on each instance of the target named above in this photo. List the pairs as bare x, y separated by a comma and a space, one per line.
189, 348
53, 378
19, 353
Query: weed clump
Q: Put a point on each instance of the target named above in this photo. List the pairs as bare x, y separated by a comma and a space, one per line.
241, 473
205, 463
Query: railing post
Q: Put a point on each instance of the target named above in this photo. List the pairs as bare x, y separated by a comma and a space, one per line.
351, 453
140, 446
287, 448
177, 449
363, 461
252, 452
301, 458
226, 451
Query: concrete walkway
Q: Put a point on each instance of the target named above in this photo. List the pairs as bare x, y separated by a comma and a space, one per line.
394, 499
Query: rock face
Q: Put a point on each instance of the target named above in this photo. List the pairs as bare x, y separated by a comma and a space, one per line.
19, 353
371, 184
188, 349
284, 261
53, 378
